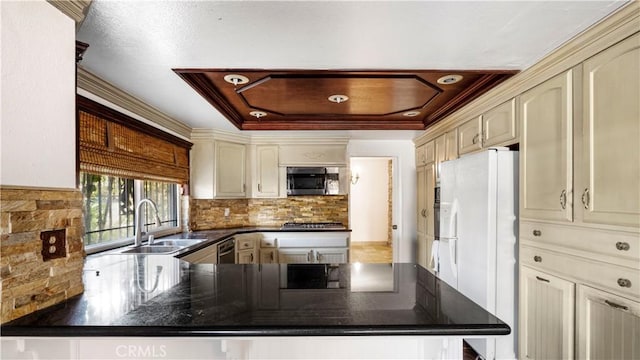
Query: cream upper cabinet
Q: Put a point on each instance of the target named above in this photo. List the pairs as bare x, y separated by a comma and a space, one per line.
499, 124
609, 192
201, 182
608, 326
469, 136
546, 150
425, 153
451, 144
230, 169
313, 155
267, 172
496, 126
546, 316
440, 152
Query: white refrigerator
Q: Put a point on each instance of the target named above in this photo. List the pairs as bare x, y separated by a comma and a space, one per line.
477, 241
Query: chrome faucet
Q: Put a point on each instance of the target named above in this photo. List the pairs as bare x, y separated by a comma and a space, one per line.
138, 219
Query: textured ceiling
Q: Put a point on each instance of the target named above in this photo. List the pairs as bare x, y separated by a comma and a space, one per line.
135, 44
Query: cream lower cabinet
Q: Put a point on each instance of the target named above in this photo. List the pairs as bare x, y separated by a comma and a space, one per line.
313, 255
608, 326
609, 192
546, 316
268, 256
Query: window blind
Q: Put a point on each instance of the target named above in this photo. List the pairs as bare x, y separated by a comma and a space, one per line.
112, 143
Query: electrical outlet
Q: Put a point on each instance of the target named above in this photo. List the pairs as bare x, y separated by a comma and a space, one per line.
227, 212
54, 244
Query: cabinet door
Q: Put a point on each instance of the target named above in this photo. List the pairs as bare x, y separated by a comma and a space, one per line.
425, 194
230, 169
499, 124
610, 192
425, 247
331, 256
267, 171
440, 153
295, 256
608, 325
208, 255
451, 144
469, 138
546, 316
268, 256
545, 152
246, 257
201, 182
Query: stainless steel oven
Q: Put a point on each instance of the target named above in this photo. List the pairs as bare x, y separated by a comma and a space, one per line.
227, 251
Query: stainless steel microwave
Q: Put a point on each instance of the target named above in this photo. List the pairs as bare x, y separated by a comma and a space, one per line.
312, 180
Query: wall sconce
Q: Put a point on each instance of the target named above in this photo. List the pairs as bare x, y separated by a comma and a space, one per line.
355, 178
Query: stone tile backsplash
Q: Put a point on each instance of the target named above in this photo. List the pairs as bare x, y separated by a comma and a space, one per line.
28, 282
209, 214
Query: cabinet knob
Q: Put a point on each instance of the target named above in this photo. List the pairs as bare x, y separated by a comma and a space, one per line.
624, 282
537, 233
537, 258
622, 246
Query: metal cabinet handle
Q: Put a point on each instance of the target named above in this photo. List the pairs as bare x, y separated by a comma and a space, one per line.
622, 246
259, 187
309, 255
424, 213
537, 233
563, 199
272, 256
537, 258
318, 256
585, 198
542, 279
616, 306
475, 139
624, 282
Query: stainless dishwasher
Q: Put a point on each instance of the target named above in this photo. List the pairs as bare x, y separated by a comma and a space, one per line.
227, 251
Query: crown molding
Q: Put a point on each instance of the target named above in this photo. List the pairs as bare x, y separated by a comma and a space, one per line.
75, 9
616, 27
312, 139
107, 91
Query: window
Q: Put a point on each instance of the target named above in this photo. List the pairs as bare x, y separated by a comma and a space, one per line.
109, 209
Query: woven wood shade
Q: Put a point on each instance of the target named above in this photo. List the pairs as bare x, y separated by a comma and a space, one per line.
126, 147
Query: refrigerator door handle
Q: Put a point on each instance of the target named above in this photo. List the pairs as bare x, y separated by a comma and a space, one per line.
453, 242
453, 220
435, 260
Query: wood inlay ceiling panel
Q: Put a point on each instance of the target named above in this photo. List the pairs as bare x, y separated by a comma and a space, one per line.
377, 100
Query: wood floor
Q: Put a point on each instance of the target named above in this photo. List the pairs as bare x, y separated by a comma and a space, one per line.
371, 252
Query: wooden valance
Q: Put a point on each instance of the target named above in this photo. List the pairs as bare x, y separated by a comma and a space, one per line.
111, 143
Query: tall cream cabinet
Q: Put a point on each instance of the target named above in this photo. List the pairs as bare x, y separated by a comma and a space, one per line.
425, 193
580, 204
610, 166
546, 115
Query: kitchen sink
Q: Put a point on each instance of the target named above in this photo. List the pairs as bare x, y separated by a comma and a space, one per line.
176, 242
153, 249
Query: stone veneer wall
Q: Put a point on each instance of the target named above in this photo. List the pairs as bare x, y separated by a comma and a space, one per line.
209, 214
27, 282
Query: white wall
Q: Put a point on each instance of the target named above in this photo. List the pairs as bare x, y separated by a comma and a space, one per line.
404, 184
368, 199
37, 121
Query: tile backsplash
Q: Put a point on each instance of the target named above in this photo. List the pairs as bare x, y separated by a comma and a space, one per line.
28, 282
210, 214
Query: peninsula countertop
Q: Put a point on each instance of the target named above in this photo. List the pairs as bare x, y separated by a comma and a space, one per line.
160, 295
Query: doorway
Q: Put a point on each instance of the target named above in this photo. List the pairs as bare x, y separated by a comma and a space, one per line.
370, 209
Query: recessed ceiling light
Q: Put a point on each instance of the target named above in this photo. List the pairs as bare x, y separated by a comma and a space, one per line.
411, 113
258, 114
338, 98
236, 79
449, 79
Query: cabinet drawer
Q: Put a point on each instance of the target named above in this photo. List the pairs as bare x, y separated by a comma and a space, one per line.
617, 247
244, 244
618, 279
269, 242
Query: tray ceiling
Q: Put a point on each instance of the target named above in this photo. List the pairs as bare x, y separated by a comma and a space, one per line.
338, 100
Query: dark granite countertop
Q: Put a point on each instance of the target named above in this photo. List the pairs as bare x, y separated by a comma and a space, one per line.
160, 295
